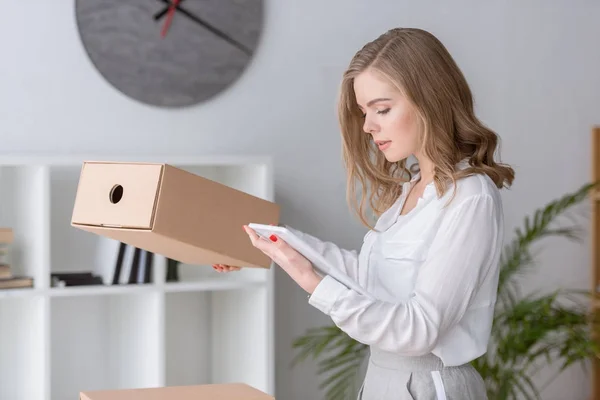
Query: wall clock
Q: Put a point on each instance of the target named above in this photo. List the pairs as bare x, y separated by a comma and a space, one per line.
170, 53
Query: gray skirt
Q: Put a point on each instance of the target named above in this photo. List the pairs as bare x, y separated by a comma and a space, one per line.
391, 377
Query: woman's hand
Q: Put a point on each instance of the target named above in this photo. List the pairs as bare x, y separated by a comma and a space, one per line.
225, 268
293, 263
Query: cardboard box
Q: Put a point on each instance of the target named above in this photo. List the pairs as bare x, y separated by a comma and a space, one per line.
231, 391
171, 212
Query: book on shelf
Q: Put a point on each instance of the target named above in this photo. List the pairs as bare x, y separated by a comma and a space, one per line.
6, 238
61, 279
15, 282
140, 264
138, 260
8, 279
5, 271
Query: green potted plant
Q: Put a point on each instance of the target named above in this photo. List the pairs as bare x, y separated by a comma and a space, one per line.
528, 332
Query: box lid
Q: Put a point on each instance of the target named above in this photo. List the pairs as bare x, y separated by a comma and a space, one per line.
225, 391
117, 194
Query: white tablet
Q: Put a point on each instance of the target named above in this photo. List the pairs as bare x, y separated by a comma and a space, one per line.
319, 262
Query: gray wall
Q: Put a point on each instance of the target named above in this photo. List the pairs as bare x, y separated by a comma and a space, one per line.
533, 66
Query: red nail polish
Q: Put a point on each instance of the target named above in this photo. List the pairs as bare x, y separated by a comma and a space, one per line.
273, 238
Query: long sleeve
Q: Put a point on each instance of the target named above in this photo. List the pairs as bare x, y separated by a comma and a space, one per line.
345, 260
463, 253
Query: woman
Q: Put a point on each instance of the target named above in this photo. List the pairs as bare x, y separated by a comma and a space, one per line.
431, 259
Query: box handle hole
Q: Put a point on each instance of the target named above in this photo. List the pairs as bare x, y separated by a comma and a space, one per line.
116, 194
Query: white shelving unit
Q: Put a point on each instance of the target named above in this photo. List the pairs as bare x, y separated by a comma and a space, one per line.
56, 342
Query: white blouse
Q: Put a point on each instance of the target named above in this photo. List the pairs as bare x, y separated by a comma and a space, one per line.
433, 275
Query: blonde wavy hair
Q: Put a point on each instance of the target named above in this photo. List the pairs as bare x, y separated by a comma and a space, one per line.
417, 64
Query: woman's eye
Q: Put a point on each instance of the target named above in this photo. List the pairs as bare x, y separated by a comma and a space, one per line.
385, 111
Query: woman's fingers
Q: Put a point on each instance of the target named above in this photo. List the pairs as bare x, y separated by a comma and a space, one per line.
267, 246
225, 268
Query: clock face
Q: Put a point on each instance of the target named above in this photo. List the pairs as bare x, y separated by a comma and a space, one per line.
170, 53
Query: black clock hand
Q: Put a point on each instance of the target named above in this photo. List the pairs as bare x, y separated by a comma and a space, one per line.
164, 11
211, 28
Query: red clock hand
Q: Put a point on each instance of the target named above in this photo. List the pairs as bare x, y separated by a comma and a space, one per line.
169, 18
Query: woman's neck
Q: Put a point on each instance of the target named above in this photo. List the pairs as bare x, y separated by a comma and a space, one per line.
426, 169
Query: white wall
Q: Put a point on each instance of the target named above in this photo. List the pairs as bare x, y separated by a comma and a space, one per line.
533, 66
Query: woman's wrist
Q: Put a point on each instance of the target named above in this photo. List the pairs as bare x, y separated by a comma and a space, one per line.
310, 281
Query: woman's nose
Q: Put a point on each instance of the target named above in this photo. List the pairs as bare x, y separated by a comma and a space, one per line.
369, 126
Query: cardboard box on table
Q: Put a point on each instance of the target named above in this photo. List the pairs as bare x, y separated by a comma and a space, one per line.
172, 212
231, 391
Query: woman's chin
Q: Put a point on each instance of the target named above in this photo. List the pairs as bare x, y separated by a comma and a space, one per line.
394, 156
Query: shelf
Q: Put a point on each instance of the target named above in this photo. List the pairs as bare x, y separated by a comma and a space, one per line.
23, 208
21, 348
19, 293
104, 342
241, 337
58, 341
218, 337
187, 351
101, 290
211, 285
200, 286
199, 274
214, 284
